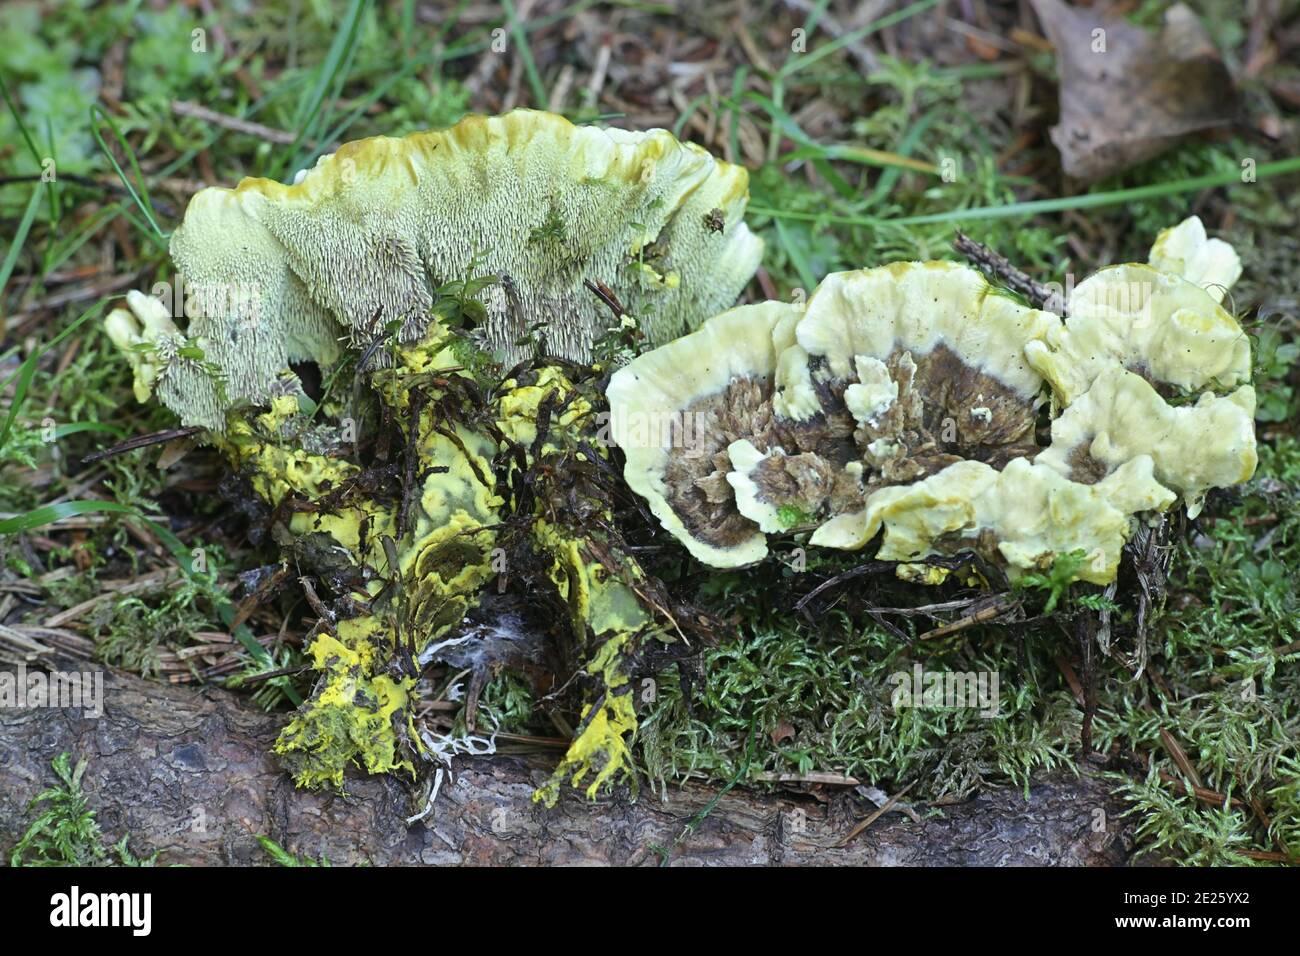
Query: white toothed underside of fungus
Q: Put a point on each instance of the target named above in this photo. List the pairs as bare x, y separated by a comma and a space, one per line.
356, 248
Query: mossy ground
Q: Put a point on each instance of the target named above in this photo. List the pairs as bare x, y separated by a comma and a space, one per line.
1222, 669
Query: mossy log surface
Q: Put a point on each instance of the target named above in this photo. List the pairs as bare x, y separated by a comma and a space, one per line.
190, 774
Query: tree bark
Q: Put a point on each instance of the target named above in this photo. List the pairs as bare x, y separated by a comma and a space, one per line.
189, 774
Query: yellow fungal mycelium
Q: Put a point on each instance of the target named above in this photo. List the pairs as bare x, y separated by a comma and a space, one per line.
404, 485
901, 405
594, 577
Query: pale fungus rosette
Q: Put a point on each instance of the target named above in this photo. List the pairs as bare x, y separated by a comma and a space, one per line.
904, 402
677, 449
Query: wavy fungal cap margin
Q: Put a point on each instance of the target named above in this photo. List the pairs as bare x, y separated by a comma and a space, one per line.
1146, 320
843, 443
359, 244
651, 418
1186, 250
917, 306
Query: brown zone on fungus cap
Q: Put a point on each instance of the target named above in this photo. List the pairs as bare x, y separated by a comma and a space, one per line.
983, 543
946, 411
697, 466
1083, 467
807, 483
1171, 393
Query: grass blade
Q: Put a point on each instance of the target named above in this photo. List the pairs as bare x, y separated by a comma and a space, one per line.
517, 34
49, 514
332, 75
797, 258
20, 237
74, 428
1039, 206
18, 120
1112, 198
27, 371
803, 62
31, 146
146, 207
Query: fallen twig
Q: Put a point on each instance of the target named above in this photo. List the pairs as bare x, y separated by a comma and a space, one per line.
997, 266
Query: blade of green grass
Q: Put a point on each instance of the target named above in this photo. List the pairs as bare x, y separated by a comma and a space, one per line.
517, 34
797, 258
359, 106
31, 145
56, 211
1039, 206
863, 157
680, 123
1114, 197
733, 113
18, 121
20, 237
142, 197
815, 15
49, 514
73, 428
331, 76
792, 66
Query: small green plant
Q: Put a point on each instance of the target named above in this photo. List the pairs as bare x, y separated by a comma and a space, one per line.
505, 704
283, 857
65, 833
1171, 822
132, 632
457, 302
791, 516
1098, 602
1275, 356
269, 694
1056, 580
552, 231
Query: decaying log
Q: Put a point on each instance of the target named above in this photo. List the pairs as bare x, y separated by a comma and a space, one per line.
189, 774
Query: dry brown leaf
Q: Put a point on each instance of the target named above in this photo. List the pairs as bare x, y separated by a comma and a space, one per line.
1128, 95
781, 733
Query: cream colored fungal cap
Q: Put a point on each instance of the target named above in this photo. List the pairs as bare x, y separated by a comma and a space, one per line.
1146, 320
1208, 444
853, 321
1034, 513
359, 244
144, 322
744, 457
918, 306
1185, 250
651, 397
